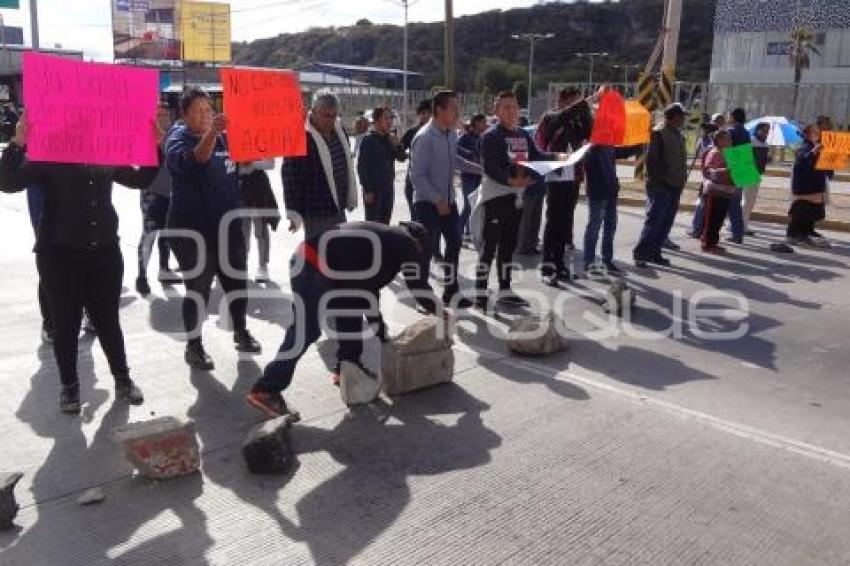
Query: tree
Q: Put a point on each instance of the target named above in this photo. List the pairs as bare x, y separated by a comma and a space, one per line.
520, 90
497, 74
802, 46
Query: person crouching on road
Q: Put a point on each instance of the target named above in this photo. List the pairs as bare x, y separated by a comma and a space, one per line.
78, 257
808, 188
328, 264
205, 191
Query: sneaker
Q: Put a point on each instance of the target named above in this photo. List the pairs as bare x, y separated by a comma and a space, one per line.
819, 242
46, 334
69, 399
196, 357
142, 287
262, 275
88, 324
127, 390
508, 297
670, 245
244, 342
269, 403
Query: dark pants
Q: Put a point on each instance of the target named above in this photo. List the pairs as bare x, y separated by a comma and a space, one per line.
467, 187
74, 279
804, 215
448, 228
501, 223
716, 207
382, 209
662, 204
187, 256
602, 213
260, 227
408, 195
308, 288
529, 224
35, 200
154, 213
561, 199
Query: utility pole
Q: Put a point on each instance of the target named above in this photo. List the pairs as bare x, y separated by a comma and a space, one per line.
404, 78
531, 38
34, 24
449, 47
672, 21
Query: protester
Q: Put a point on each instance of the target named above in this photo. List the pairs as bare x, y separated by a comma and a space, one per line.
667, 173
704, 145
423, 115
154, 202
361, 128
348, 250
600, 166
502, 146
205, 201
379, 151
469, 148
35, 200
808, 188
562, 130
319, 187
10, 121
433, 161
717, 190
761, 153
263, 213
739, 136
78, 257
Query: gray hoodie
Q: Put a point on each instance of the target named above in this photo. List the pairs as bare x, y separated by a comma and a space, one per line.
433, 161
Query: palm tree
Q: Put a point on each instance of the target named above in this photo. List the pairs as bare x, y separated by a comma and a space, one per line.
802, 46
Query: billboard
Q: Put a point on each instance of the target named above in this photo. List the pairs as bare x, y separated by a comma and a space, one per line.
205, 31
145, 29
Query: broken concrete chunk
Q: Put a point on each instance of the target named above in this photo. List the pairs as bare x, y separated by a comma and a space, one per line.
356, 387
536, 335
402, 373
91, 496
8, 505
266, 449
160, 448
426, 335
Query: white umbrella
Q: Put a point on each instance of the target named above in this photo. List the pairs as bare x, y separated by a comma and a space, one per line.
782, 130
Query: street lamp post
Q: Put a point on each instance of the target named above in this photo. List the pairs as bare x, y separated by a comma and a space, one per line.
625, 71
531, 38
591, 56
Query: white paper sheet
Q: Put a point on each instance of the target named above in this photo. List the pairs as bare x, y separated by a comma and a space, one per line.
546, 167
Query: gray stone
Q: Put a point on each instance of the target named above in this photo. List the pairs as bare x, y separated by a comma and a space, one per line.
620, 298
402, 373
92, 496
8, 505
266, 449
160, 448
357, 387
428, 334
536, 335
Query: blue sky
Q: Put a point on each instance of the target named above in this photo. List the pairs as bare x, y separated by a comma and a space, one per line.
86, 25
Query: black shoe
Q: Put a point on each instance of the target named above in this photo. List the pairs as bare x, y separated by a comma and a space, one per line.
508, 297
196, 357
670, 245
142, 287
245, 342
749, 232
127, 390
563, 275
658, 260
69, 399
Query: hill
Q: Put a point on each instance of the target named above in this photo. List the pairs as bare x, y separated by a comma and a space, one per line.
485, 54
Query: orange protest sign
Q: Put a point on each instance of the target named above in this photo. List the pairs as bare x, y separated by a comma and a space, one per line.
638, 124
265, 114
831, 161
609, 123
836, 142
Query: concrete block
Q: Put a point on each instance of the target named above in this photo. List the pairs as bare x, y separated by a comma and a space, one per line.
428, 334
536, 335
8, 505
402, 373
160, 448
266, 448
356, 387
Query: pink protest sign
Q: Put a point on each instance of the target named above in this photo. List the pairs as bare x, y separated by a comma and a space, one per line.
89, 112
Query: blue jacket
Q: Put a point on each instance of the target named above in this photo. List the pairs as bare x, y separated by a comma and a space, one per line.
469, 148
739, 134
600, 166
805, 179
202, 193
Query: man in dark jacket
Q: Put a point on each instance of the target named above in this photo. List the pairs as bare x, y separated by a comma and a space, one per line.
740, 136
379, 151
332, 264
562, 130
469, 148
667, 173
600, 166
423, 115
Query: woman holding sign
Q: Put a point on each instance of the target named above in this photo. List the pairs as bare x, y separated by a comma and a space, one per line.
78, 257
205, 199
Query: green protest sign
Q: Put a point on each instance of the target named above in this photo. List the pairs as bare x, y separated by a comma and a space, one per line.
742, 165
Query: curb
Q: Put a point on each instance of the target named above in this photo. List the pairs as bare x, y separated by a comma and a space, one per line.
778, 173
